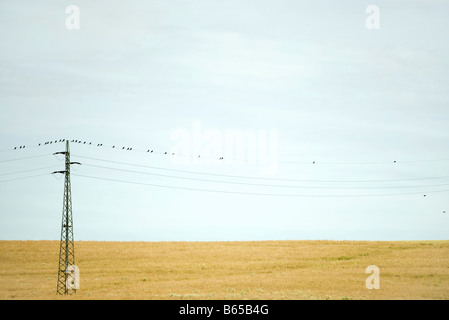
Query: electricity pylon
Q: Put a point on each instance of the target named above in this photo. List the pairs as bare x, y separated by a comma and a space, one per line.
66, 274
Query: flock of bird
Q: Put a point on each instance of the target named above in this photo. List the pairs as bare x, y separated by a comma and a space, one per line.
113, 147
98, 145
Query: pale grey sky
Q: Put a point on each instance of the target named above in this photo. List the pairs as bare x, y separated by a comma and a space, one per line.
137, 73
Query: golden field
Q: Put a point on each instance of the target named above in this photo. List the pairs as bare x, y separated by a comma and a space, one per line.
292, 270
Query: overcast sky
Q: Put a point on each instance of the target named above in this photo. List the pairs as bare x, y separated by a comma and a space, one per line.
298, 81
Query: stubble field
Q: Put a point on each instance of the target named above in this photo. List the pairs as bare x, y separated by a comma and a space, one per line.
291, 270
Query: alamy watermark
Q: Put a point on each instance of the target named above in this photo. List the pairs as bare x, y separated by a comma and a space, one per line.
72, 22
372, 22
209, 145
373, 281
73, 277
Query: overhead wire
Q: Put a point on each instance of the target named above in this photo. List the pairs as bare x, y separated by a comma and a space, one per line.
27, 177
262, 180
256, 178
17, 172
24, 158
263, 184
255, 193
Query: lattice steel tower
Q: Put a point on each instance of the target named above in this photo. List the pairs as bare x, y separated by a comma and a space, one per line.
66, 273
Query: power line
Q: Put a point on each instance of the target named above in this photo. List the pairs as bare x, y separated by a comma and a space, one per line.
28, 177
256, 193
261, 184
239, 182
236, 176
37, 169
17, 159
259, 178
